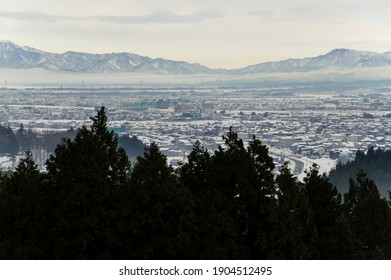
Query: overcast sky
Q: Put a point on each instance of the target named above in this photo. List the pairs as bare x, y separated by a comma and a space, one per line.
215, 33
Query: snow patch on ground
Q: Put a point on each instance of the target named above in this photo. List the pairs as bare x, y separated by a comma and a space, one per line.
325, 165
8, 163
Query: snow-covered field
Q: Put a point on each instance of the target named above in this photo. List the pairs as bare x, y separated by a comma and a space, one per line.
8, 163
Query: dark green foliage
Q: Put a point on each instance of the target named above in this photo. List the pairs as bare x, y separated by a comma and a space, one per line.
132, 146
25, 138
222, 205
85, 174
194, 173
29, 140
24, 213
375, 163
215, 235
298, 234
258, 197
49, 141
369, 216
8, 142
329, 220
159, 210
324, 198
233, 191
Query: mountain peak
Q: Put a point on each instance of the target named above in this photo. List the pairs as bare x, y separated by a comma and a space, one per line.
341, 50
6, 43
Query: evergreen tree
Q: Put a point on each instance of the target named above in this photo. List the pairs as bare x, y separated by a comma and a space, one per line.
86, 174
244, 180
214, 234
159, 211
369, 216
133, 146
375, 163
24, 215
260, 201
328, 216
221, 205
8, 142
297, 231
230, 173
194, 173
25, 138
49, 141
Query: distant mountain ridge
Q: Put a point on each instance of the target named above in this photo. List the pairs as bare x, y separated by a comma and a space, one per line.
13, 56
16, 57
337, 58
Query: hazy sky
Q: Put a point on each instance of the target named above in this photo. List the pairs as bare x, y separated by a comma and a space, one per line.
216, 33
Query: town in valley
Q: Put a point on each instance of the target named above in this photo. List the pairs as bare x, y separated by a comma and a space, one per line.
303, 125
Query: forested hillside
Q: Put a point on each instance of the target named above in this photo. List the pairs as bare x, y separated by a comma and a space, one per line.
12, 143
376, 164
224, 204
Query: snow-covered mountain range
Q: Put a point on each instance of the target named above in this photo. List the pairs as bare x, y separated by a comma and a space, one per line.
17, 57
337, 58
13, 56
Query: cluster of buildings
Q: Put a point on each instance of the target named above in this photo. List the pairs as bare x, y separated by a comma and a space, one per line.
298, 125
